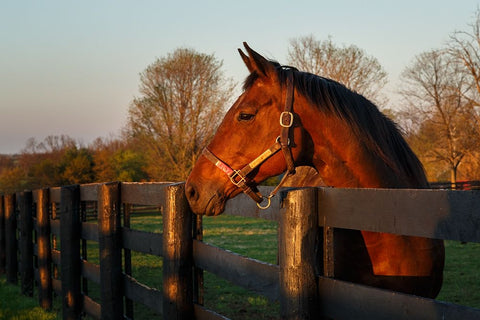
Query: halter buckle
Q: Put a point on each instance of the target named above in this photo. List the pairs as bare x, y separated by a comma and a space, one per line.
286, 119
234, 175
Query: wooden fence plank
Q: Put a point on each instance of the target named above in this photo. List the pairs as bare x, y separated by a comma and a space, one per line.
243, 206
89, 192
109, 227
344, 300
144, 193
127, 256
440, 214
299, 237
25, 206
92, 308
177, 255
70, 251
11, 259
141, 293
202, 313
2, 235
57, 286
258, 276
55, 194
55, 227
56, 256
142, 241
91, 271
90, 231
44, 249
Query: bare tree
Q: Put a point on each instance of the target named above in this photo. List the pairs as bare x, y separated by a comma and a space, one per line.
350, 65
464, 47
441, 129
183, 96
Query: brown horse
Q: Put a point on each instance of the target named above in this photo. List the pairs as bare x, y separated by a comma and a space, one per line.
347, 141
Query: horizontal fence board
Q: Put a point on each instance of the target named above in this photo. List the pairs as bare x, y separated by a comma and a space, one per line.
242, 205
144, 193
141, 293
202, 313
344, 300
88, 192
91, 271
440, 214
55, 227
57, 286
260, 277
56, 256
142, 241
55, 195
92, 308
35, 195
90, 231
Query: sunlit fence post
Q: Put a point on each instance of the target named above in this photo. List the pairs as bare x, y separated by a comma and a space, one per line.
70, 270
11, 260
25, 205
177, 259
299, 236
2, 236
110, 245
44, 248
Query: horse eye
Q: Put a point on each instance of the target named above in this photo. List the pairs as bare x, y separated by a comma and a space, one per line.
245, 116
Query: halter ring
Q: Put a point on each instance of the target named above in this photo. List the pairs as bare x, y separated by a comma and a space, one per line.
269, 202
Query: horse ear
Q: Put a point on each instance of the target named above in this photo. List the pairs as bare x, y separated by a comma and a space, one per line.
246, 60
255, 62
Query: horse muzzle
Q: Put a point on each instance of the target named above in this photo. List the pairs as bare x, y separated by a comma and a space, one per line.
203, 201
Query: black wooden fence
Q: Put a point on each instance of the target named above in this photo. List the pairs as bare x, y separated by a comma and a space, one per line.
57, 215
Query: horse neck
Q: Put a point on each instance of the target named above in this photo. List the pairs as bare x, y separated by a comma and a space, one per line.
341, 159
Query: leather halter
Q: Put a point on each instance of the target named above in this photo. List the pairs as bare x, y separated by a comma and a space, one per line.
240, 177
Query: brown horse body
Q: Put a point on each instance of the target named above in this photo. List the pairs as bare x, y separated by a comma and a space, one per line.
349, 143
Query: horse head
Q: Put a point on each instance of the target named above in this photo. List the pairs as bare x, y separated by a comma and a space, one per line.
259, 137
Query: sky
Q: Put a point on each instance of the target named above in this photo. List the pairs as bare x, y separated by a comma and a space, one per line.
72, 67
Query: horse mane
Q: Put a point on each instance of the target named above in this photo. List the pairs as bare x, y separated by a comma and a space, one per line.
377, 132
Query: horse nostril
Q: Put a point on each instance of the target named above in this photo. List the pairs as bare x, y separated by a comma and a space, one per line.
191, 193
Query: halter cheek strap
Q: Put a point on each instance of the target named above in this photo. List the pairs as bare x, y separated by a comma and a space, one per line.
240, 177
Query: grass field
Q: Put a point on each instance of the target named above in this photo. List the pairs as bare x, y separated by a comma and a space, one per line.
254, 238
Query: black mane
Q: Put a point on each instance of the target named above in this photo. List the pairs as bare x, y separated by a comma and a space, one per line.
378, 133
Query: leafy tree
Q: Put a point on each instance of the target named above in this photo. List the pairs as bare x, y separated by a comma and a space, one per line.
348, 65
117, 160
12, 180
183, 96
77, 166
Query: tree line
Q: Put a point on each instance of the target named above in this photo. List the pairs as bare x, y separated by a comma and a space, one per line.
183, 97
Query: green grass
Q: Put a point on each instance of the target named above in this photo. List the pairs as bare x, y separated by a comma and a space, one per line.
461, 283
14, 306
255, 238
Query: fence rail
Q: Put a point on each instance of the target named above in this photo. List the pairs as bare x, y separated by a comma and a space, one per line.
55, 258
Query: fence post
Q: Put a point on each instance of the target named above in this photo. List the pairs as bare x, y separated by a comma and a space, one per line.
177, 255
110, 245
299, 236
11, 260
2, 236
70, 231
127, 256
44, 249
25, 203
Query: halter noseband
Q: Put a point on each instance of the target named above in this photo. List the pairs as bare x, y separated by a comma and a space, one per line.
240, 177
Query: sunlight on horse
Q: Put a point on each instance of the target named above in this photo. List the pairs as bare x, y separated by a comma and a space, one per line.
285, 119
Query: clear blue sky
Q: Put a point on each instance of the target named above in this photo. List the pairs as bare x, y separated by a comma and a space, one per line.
72, 67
